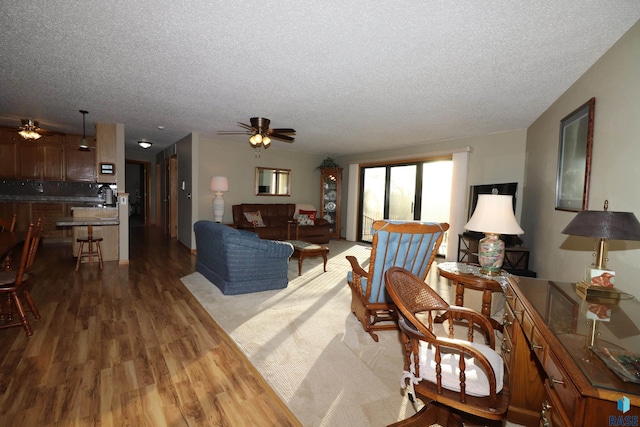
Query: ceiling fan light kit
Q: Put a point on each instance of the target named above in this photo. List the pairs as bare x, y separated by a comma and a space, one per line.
260, 134
29, 130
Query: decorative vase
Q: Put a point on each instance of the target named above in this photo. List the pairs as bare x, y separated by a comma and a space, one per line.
491, 254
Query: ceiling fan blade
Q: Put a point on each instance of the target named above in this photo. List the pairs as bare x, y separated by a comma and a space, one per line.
282, 130
284, 138
248, 127
233, 132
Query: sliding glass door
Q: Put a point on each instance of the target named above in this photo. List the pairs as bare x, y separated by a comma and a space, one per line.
418, 190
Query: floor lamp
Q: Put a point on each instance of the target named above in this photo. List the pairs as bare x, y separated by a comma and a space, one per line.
218, 185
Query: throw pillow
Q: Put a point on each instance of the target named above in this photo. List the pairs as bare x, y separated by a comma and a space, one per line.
304, 219
254, 218
311, 214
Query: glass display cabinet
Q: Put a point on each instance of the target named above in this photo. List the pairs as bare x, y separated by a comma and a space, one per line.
330, 198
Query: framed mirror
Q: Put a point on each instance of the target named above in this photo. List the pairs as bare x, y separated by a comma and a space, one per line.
273, 182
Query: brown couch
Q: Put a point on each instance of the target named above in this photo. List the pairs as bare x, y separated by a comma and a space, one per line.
276, 218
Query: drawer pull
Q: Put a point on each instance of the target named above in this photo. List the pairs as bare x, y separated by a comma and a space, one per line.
553, 381
546, 407
536, 347
506, 322
509, 296
505, 349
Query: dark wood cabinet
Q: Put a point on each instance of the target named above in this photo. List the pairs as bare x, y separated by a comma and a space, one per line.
40, 161
50, 213
330, 198
79, 165
54, 157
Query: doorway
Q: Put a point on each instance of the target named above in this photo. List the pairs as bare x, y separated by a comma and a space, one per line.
137, 184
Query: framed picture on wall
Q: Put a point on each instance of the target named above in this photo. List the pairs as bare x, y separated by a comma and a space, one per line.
574, 159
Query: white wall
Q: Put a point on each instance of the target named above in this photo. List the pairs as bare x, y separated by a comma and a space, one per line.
615, 83
494, 158
237, 161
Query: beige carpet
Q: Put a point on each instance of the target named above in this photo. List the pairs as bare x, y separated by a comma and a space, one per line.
310, 348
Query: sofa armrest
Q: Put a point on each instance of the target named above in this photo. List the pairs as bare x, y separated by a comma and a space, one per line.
321, 221
272, 248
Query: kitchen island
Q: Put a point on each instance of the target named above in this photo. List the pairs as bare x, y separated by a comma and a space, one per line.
104, 223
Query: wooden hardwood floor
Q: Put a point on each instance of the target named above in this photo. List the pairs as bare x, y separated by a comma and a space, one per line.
128, 345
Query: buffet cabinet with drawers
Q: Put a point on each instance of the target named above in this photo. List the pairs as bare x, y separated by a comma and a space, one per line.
550, 340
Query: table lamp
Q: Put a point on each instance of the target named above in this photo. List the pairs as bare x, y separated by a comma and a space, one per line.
493, 216
603, 226
218, 184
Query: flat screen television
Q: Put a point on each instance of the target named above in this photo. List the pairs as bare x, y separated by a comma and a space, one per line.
509, 188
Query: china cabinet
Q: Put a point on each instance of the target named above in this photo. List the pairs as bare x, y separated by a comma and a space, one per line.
330, 198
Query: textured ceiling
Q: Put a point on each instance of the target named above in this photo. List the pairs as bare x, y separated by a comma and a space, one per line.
349, 76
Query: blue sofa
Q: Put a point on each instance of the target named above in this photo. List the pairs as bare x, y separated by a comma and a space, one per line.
238, 261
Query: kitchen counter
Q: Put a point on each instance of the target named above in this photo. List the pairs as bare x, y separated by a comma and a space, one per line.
54, 199
76, 221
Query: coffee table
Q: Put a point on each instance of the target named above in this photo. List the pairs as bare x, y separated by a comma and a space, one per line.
302, 250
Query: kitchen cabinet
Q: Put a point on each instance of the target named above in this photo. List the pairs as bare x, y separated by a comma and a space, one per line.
50, 213
330, 198
41, 159
28, 212
8, 153
79, 165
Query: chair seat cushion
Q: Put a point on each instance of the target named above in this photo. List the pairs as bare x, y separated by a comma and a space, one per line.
477, 383
9, 277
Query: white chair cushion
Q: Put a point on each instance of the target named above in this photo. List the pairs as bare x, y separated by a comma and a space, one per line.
477, 383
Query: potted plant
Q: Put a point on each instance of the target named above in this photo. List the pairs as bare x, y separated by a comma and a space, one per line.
329, 162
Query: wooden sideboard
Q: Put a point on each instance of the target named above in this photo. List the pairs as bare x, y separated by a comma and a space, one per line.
556, 378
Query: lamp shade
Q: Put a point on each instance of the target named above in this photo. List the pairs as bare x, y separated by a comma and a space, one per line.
219, 183
604, 225
494, 214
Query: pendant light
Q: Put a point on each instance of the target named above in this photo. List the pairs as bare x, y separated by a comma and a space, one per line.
84, 145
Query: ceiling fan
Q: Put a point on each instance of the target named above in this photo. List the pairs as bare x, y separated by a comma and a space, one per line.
261, 134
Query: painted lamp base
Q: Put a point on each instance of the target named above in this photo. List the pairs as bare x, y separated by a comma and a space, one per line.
491, 254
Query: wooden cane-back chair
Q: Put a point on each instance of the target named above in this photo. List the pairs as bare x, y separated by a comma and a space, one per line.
409, 244
12, 285
451, 374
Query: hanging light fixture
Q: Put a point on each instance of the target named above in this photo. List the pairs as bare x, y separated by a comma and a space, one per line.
145, 144
29, 130
84, 145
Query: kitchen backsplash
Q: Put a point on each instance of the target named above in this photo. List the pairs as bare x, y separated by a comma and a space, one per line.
29, 187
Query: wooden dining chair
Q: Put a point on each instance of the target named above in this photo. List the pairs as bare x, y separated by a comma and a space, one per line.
13, 285
462, 381
6, 225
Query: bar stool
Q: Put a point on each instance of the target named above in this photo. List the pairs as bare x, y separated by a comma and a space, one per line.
90, 252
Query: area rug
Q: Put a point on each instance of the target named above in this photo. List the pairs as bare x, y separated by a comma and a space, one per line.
309, 347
